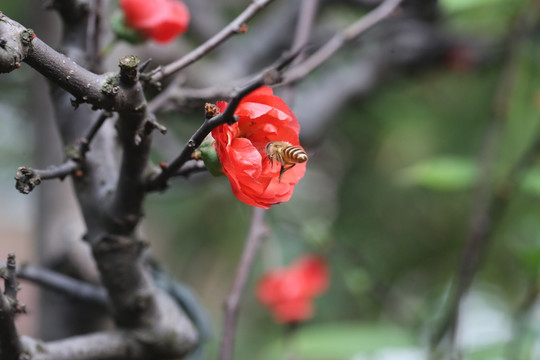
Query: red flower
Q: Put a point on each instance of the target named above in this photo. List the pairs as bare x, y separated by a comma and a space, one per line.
159, 20
289, 292
262, 118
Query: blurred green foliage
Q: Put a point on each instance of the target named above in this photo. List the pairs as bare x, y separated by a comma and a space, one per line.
339, 341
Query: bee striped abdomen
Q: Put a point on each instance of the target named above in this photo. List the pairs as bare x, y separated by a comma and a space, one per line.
293, 154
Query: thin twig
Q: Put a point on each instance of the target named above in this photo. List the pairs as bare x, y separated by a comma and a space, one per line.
84, 143
271, 75
306, 17
233, 28
191, 167
232, 304
174, 97
335, 43
63, 284
58, 172
10, 278
164, 96
28, 178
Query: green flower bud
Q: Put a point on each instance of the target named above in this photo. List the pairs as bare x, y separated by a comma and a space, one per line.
124, 31
209, 155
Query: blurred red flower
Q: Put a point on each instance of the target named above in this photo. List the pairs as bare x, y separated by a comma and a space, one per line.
159, 20
262, 118
289, 292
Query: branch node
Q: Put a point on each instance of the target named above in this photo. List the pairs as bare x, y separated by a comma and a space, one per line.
272, 76
27, 36
151, 124
242, 29
13, 49
11, 286
149, 79
210, 110
26, 179
75, 151
129, 72
10, 277
111, 86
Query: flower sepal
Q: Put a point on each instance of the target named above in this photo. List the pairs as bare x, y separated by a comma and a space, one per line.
123, 31
208, 154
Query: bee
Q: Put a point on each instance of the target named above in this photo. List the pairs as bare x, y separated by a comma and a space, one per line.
285, 154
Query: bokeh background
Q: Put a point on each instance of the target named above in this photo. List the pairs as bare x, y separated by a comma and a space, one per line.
387, 197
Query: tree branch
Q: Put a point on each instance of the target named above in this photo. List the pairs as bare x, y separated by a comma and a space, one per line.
101, 91
63, 284
110, 345
10, 278
26, 178
256, 233
306, 17
152, 324
10, 345
171, 339
85, 141
191, 167
304, 26
135, 129
299, 69
175, 97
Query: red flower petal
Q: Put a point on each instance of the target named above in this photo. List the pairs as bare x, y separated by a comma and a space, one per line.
269, 288
138, 12
222, 105
315, 274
